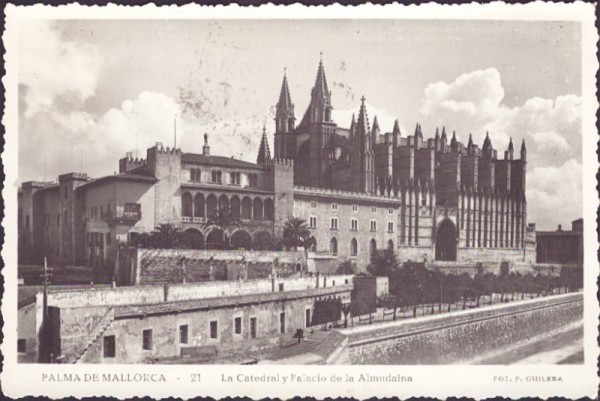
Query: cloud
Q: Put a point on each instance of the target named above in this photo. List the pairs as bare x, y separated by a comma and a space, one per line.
474, 103
53, 70
552, 189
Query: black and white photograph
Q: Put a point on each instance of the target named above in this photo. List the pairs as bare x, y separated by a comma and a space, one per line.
301, 191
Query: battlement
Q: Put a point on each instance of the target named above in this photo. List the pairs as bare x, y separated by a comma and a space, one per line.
160, 148
73, 176
129, 163
37, 184
278, 161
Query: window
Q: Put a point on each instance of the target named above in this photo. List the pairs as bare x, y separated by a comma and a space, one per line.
391, 211
147, 339
373, 225
213, 329
282, 322
313, 205
216, 176
47, 220
355, 208
333, 247
280, 287
183, 334
66, 192
195, 175
312, 222
21, 345
334, 206
252, 327
334, 223
354, 225
373, 209
353, 247
109, 346
307, 318
235, 178
237, 323
390, 227
252, 180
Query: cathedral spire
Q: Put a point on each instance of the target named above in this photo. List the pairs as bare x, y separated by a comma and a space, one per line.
319, 109
444, 136
470, 144
264, 154
454, 143
284, 113
362, 126
396, 134
523, 151
509, 153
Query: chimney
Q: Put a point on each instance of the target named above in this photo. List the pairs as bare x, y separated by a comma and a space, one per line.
559, 228
206, 148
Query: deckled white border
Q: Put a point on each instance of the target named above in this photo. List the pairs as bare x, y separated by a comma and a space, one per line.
433, 381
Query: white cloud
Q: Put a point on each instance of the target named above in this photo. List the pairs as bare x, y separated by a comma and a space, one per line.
474, 102
554, 194
52, 68
385, 120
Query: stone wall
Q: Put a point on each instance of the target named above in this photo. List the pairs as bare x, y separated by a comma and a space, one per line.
460, 336
160, 266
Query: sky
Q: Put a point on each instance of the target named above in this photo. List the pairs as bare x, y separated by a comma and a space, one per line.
92, 90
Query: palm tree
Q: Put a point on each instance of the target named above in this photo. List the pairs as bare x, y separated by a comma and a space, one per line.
296, 233
223, 219
166, 236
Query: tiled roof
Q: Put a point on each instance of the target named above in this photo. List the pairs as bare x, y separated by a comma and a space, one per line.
129, 176
217, 161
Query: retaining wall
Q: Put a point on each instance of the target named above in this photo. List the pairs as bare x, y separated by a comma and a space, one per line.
460, 336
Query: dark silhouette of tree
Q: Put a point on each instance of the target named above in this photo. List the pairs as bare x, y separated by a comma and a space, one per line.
346, 267
383, 263
296, 233
223, 219
166, 236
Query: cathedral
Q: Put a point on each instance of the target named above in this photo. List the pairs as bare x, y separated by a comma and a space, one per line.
359, 189
481, 197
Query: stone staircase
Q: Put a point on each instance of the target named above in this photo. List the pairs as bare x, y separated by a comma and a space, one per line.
308, 345
93, 336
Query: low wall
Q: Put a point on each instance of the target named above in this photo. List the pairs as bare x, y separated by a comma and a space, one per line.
157, 266
472, 268
463, 255
455, 337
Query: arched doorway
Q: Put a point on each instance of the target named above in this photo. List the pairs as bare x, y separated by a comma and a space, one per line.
195, 239
241, 240
215, 239
445, 241
372, 246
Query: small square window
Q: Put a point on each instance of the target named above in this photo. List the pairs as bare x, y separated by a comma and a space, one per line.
109, 346
390, 211
147, 339
280, 287
21, 345
373, 209
213, 329
355, 208
183, 334
237, 325
334, 206
313, 205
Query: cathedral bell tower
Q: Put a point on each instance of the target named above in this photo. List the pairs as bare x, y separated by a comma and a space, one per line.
285, 123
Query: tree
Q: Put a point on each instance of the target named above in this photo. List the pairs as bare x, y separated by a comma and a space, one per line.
346, 267
263, 241
223, 219
296, 233
167, 236
383, 262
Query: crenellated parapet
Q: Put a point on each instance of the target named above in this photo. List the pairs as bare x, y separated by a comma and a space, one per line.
129, 163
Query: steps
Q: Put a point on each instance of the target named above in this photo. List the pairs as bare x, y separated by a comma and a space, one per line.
308, 345
94, 335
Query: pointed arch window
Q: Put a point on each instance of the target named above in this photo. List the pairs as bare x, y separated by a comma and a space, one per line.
333, 247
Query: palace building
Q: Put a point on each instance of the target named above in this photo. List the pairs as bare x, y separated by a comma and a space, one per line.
358, 188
